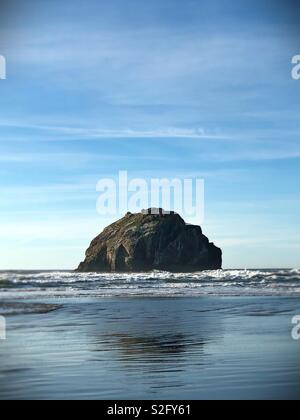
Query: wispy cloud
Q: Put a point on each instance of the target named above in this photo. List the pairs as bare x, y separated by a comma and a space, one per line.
135, 66
85, 133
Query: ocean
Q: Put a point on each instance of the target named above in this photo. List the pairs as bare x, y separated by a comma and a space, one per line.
212, 335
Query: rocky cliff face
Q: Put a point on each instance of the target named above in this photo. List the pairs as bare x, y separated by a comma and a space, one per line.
146, 241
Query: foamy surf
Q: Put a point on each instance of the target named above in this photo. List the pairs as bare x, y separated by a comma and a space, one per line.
62, 284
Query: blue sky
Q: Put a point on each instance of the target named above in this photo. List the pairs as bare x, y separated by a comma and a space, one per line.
97, 87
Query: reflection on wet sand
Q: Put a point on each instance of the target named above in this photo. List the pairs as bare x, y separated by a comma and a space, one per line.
185, 348
153, 339
151, 346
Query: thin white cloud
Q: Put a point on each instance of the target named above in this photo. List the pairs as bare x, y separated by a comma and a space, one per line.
100, 133
157, 66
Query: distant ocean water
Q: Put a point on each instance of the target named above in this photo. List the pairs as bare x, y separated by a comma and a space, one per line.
212, 335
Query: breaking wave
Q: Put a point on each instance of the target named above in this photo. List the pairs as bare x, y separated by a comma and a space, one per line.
25, 284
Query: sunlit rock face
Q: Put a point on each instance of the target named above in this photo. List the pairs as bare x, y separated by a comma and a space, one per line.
151, 240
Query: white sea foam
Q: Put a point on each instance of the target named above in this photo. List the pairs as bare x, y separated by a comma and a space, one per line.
32, 285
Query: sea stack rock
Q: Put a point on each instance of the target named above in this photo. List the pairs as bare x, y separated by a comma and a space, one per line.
151, 240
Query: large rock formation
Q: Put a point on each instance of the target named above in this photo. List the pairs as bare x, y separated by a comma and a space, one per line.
147, 241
